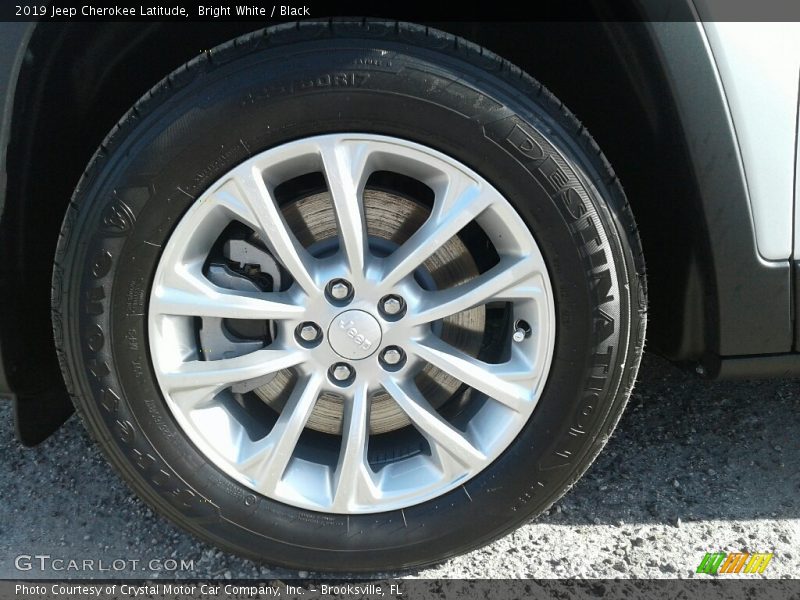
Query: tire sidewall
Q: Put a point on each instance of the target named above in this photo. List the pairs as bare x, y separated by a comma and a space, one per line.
150, 175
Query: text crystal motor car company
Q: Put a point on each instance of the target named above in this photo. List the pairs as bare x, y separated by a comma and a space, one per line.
204, 589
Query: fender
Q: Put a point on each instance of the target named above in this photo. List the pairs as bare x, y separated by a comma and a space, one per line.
38, 409
748, 304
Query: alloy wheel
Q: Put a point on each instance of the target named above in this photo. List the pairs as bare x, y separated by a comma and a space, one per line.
351, 323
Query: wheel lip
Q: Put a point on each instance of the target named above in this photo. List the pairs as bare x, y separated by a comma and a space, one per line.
219, 460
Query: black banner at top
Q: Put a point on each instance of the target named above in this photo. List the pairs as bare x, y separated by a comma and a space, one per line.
271, 11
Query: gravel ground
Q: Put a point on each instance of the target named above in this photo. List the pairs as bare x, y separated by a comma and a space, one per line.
693, 467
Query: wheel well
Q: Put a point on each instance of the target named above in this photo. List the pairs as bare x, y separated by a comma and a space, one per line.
78, 79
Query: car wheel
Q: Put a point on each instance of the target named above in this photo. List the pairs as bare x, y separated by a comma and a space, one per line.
349, 296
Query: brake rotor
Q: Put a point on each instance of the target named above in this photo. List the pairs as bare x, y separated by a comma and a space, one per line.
391, 219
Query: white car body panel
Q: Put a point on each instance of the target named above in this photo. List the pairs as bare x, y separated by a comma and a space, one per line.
759, 66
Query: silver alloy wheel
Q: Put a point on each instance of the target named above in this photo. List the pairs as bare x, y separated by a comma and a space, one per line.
356, 332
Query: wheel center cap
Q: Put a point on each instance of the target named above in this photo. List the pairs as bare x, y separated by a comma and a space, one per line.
354, 334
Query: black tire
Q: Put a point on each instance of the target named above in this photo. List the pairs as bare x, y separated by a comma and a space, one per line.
309, 78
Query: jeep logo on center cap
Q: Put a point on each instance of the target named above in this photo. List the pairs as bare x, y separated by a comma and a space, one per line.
354, 334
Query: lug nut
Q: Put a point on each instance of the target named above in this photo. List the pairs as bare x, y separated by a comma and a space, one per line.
339, 289
393, 356
341, 372
308, 332
392, 305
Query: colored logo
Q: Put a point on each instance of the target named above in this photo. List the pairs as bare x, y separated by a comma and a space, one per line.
715, 563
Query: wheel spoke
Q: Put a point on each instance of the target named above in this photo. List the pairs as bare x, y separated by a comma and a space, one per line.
439, 433
344, 164
463, 201
352, 484
247, 197
185, 291
267, 464
211, 376
514, 278
500, 382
